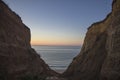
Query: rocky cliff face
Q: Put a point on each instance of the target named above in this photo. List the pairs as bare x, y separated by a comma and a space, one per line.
17, 58
99, 58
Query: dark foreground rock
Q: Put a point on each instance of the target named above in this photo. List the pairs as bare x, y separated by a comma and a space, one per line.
18, 60
99, 58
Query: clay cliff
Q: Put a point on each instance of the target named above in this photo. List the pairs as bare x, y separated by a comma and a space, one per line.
17, 58
99, 58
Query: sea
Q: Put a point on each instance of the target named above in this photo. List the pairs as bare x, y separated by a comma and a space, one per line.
57, 57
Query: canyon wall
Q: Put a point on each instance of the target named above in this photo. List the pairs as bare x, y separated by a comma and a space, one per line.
17, 58
99, 58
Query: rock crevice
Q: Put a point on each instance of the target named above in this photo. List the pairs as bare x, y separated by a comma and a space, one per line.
99, 58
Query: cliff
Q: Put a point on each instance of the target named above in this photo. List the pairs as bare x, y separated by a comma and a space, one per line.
17, 58
99, 58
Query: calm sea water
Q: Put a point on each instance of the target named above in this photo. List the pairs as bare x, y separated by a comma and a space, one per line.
57, 57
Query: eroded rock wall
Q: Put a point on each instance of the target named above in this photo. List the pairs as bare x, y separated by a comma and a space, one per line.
99, 58
17, 58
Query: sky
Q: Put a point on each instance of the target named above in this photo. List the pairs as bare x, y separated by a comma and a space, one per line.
59, 22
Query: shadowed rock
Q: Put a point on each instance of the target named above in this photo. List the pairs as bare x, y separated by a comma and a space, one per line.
99, 58
17, 58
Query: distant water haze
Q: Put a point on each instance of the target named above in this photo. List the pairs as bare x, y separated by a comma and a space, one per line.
58, 57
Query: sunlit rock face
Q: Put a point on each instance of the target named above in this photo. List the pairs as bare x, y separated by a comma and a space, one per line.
99, 58
17, 58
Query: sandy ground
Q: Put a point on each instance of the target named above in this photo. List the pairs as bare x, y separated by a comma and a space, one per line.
59, 70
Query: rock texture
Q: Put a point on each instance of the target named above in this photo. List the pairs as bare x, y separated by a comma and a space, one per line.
99, 58
17, 58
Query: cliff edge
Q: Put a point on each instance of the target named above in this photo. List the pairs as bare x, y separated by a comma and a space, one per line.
99, 58
17, 58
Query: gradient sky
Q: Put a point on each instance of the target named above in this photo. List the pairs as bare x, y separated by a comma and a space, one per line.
59, 22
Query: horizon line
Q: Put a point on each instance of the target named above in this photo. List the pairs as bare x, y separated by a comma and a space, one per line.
53, 45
